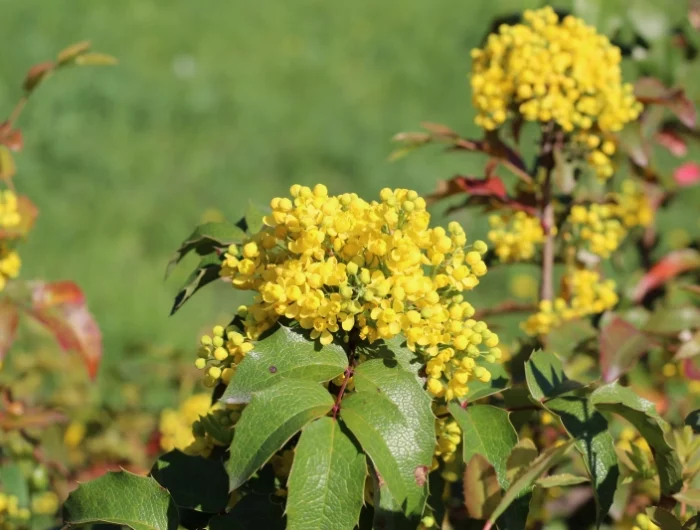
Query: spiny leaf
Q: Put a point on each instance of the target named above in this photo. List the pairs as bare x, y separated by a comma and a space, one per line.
562, 479
481, 490
284, 353
499, 382
520, 458
641, 413
397, 429
206, 272
621, 345
124, 499
205, 239
271, 418
542, 463
327, 482
545, 375
194, 482
393, 352
593, 439
487, 431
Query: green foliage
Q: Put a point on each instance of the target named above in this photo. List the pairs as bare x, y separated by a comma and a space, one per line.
122, 498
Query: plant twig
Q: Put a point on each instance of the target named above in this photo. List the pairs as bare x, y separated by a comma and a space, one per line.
546, 162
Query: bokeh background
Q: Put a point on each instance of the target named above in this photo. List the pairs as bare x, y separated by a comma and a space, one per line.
215, 104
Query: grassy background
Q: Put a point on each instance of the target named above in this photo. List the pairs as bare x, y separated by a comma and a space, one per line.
214, 104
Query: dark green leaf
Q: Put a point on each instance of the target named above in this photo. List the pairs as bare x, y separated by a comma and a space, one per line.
14, 483
525, 480
563, 479
327, 482
693, 420
122, 498
388, 514
254, 218
252, 511
499, 382
593, 439
205, 239
394, 352
486, 431
481, 490
206, 272
284, 353
545, 375
673, 320
666, 520
194, 482
271, 418
641, 413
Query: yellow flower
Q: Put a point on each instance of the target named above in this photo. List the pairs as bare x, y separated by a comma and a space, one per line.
176, 425
551, 70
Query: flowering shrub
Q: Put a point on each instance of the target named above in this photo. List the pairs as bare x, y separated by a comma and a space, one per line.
362, 386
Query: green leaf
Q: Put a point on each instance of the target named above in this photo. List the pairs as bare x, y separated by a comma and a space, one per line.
672, 321
271, 418
691, 497
14, 483
194, 482
206, 272
205, 239
498, 383
412, 442
252, 511
664, 519
481, 490
621, 345
526, 479
520, 458
545, 375
327, 482
641, 413
693, 420
394, 352
254, 218
562, 479
593, 439
486, 431
388, 514
122, 498
284, 353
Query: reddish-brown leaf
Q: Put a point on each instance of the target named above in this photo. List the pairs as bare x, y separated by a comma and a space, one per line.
12, 138
61, 307
670, 266
687, 174
486, 187
36, 74
652, 91
9, 319
672, 141
621, 346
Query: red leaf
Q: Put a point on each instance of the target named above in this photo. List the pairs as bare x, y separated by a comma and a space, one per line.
621, 346
9, 319
488, 187
36, 73
670, 266
690, 370
672, 141
687, 174
651, 91
12, 138
61, 307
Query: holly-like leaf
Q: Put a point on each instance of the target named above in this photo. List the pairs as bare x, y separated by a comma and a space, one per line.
674, 263
526, 479
393, 352
284, 353
589, 429
206, 239
642, 414
396, 429
520, 458
481, 490
206, 272
498, 383
194, 482
61, 307
487, 431
327, 482
271, 418
124, 499
621, 346
545, 375
560, 480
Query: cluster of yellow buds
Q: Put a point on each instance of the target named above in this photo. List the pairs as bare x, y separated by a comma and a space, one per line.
9, 212
214, 429
597, 227
515, 236
45, 503
10, 265
11, 514
449, 436
642, 522
176, 425
584, 293
281, 466
632, 205
561, 71
339, 265
220, 353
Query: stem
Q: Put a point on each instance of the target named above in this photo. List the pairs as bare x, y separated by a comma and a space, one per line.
19, 107
545, 161
349, 371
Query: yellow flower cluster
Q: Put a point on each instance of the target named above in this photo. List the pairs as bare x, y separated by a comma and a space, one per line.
10, 265
551, 70
9, 213
584, 293
339, 265
633, 207
515, 236
45, 503
449, 436
220, 354
10, 512
214, 429
176, 425
642, 522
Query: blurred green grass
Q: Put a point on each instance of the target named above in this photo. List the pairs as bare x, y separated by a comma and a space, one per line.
214, 104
